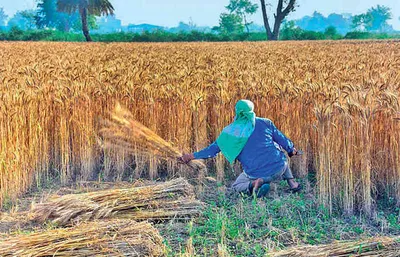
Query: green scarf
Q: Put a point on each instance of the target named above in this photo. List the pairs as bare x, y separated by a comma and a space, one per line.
234, 136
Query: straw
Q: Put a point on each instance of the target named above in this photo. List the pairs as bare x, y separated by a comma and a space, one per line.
102, 238
378, 246
124, 132
163, 201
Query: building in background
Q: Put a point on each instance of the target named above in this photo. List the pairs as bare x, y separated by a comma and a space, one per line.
108, 24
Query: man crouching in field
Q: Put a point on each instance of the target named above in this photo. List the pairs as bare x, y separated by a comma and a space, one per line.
257, 144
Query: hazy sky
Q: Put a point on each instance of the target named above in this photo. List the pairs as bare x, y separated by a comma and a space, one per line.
206, 12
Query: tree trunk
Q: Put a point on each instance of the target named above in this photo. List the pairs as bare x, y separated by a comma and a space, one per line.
274, 37
246, 24
66, 25
85, 28
277, 27
279, 17
266, 22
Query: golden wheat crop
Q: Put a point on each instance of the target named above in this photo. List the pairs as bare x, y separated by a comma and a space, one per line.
338, 101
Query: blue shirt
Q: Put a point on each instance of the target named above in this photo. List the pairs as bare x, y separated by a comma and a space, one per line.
262, 156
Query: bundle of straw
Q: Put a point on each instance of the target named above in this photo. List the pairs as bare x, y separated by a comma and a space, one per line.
378, 246
124, 132
102, 238
169, 200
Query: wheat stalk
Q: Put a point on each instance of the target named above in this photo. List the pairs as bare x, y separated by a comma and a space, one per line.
100, 238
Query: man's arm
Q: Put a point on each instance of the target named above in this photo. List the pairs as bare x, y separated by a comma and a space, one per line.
282, 140
208, 152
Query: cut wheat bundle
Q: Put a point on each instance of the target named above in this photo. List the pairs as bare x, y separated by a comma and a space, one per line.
124, 132
375, 247
169, 200
100, 238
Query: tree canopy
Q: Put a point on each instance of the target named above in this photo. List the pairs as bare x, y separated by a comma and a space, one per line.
318, 22
375, 19
3, 17
236, 19
242, 8
24, 20
94, 7
49, 17
85, 8
230, 23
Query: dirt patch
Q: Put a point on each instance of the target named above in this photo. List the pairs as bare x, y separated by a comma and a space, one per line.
19, 221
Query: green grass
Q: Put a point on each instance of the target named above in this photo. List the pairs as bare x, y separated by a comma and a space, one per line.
8, 204
16, 34
252, 227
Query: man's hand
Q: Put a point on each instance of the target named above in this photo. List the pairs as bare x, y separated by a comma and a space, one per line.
186, 158
295, 152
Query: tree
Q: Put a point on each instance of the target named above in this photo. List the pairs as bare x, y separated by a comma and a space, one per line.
86, 8
375, 19
318, 22
24, 20
342, 22
331, 33
360, 21
290, 31
230, 23
280, 15
47, 16
3, 17
380, 16
242, 8
91, 21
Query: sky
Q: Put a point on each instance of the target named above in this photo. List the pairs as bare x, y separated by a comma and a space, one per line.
206, 12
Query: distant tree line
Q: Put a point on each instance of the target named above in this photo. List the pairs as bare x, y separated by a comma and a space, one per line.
292, 32
63, 19
287, 33
61, 15
374, 20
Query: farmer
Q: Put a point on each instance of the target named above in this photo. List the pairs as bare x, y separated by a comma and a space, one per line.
257, 144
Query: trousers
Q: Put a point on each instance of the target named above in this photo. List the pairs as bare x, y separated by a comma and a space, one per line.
242, 182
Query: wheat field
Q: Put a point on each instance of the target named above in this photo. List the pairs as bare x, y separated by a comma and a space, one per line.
338, 101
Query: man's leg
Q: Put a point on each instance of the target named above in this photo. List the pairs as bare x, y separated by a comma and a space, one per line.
242, 184
288, 176
283, 173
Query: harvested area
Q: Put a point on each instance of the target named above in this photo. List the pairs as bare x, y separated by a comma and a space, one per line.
100, 238
173, 199
372, 247
229, 225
